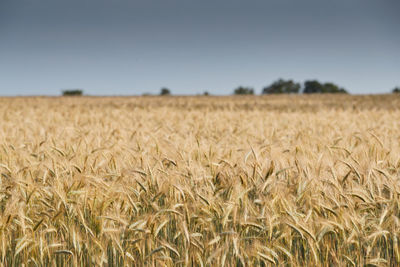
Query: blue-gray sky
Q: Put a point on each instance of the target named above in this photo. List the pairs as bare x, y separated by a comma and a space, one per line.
125, 47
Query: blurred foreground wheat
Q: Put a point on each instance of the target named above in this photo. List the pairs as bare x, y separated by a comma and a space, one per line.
207, 181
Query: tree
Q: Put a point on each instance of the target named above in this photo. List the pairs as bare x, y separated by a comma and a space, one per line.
165, 91
72, 92
243, 91
314, 86
396, 90
282, 87
333, 89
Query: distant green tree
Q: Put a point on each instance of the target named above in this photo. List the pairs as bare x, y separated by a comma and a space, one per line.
315, 87
282, 87
206, 93
396, 90
165, 91
333, 89
243, 91
72, 92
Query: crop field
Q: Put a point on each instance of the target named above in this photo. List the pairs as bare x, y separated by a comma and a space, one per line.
200, 181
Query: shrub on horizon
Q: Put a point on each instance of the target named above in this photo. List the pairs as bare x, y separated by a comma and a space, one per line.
72, 92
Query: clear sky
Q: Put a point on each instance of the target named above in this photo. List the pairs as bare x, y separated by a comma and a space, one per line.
127, 47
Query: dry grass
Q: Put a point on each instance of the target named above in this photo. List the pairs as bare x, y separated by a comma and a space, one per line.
207, 181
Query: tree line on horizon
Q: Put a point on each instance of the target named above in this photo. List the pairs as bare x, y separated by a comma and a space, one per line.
280, 86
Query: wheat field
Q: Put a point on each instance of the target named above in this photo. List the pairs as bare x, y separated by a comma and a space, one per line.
200, 181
